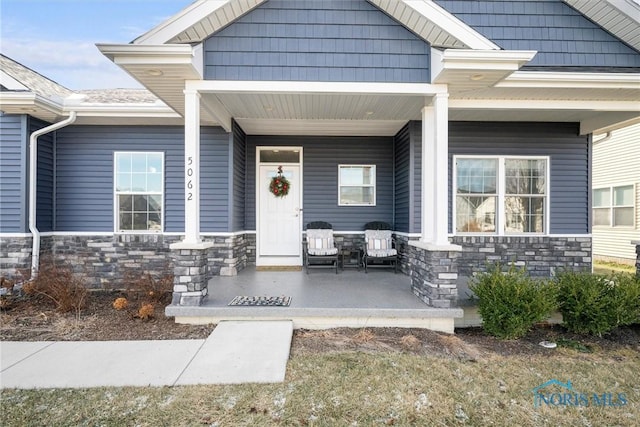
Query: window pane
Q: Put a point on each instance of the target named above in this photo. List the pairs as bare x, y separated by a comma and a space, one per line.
155, 203
123, 162
154, 163
280, 156
524, 214
140, 203
126, 221
139, 182
123, 182
356, 195
601, 197
126, 203
154, 182
356, 175
523, 176
476, 176
601, 216
140, 221
138, 162
623, 217
475, 214
623, 196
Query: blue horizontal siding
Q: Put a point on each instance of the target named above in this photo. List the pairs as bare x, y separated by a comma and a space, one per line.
13, 173
321, 157
562, 36
348, 40
84, 174
237, 189
569, 157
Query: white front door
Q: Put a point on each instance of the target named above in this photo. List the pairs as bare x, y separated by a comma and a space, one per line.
279, 219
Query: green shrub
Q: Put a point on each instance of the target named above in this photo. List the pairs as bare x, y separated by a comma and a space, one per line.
597, 304
511, 302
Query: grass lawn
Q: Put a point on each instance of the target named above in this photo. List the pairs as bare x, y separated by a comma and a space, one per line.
360, 388
602, 267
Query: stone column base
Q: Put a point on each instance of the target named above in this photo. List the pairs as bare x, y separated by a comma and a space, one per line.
190, 273
434, 273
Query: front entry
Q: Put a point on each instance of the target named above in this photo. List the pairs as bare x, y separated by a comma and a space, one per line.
279, 219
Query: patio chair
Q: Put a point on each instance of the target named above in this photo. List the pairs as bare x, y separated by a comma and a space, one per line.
379, 246
319, 248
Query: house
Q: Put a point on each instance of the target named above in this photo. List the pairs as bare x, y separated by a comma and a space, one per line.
616, 195
468, 125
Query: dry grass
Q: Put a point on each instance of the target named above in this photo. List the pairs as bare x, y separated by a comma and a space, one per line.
356, 388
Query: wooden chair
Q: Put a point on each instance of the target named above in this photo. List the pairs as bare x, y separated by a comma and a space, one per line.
319, 248
379, 246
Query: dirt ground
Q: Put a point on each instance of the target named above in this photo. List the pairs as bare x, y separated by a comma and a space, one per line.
35, 320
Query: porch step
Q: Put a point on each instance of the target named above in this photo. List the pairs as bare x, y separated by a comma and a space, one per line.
437, 319
240, 352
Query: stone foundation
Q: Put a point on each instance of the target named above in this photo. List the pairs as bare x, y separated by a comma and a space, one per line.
15, 257
541, 256
105, 260
403, 248
191, 276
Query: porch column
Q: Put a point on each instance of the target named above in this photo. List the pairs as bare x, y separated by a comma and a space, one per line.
190, 255
433, 260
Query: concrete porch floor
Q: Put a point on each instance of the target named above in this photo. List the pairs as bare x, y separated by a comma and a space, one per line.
321, 299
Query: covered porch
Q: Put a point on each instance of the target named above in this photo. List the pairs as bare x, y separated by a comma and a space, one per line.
320, 300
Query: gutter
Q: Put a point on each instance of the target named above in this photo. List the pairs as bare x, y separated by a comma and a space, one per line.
33, 176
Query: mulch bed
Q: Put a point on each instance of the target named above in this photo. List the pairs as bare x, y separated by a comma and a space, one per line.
31, 319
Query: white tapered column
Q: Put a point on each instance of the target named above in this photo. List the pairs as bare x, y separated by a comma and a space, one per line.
192, 167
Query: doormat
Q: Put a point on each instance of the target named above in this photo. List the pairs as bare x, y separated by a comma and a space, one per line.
261, 301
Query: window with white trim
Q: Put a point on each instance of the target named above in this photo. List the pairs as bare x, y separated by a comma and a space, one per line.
139, 191
356, 185
501, 195
614, 206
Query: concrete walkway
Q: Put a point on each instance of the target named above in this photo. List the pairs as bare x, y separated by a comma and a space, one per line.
235, 352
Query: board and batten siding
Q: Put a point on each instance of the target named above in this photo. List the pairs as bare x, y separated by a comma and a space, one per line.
85, 182
45, 177
317, 40
562, 36
616, 162
408, 179
13, 173
321, 157
569, 157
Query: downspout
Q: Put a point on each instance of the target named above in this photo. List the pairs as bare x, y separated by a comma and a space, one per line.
607, 136
33, 176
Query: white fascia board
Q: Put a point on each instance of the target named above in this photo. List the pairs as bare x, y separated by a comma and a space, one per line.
174, 54
541, 79
29, 101
533, 104
450, 24
123, 110
320, 88
175, 25
467, 59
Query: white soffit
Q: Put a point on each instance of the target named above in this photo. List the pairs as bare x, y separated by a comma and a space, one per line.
619, 17
197, 21
321, 127
434, 24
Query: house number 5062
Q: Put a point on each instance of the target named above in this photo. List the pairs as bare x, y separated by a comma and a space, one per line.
189, 175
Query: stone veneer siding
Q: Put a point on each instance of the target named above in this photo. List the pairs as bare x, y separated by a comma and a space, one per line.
15, 256
105, 260
434, 275
542, 256
404, 252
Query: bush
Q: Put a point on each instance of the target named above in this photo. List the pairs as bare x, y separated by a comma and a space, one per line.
59, 284
147, 287
511, 302
597, 304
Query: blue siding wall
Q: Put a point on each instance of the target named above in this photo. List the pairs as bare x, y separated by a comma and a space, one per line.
569, 169
45, 178
317, 40
13, 173
408, 178
321, 157
237, 186
84, 174
561, 35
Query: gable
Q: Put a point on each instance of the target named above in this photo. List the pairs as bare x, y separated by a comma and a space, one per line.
317, 40
562, 36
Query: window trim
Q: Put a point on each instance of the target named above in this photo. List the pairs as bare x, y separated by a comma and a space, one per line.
611, 206
162, 193
501, 195
373, 185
